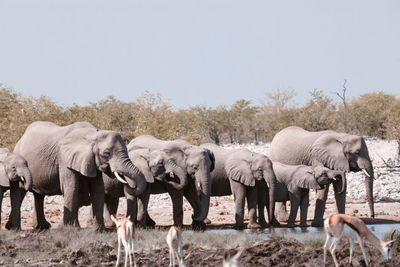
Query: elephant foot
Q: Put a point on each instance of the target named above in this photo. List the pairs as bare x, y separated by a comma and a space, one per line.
239, 226
10, 226
275, 223
207, 221
303, 225
198, 226
253, 226
43, 226
290, 225
317, 223
100, 228
263, 224
150, 222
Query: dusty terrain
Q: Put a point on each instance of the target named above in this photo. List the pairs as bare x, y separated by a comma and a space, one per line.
15, 247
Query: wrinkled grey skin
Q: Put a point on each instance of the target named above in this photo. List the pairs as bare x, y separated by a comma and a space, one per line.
247, 175
66, 160
159, 171
295, 182
14, 175
197, 162
336, 151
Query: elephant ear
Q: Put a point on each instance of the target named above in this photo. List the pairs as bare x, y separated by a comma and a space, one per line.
238, 169
141, 161
4, 181
212, 158
77, 154
328, 150
303, 178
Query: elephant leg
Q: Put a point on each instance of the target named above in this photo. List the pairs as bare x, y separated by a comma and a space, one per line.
131, 205
239, 195
262, 202
281, 211
70, 189
190, 194
340, 200
322, 195
304, 209
2, 190
16, 197
177, 207
110, 208
294, 207
142, 204
251, 196
39, 220
96, 189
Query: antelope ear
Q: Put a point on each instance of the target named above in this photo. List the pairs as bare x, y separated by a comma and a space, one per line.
238, 169
328, 150
303, 178
77, 153
4, 180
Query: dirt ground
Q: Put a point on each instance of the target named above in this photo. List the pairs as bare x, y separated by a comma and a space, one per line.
15, 248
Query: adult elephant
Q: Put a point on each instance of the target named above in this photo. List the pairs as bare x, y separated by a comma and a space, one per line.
197, 162
64, 159
161, 175
14, 175
247, 175
336, 151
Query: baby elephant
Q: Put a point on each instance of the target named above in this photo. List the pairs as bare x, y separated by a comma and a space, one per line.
295, 182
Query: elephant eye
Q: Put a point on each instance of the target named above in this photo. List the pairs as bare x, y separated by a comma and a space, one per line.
260, 169
106, 154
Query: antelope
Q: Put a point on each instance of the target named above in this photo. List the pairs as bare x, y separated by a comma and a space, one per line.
231, 261
174, 241
342, 226
126, 236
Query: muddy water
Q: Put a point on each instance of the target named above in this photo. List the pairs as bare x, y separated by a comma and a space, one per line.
300, 233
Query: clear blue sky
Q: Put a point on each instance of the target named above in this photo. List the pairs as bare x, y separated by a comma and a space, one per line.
197, 52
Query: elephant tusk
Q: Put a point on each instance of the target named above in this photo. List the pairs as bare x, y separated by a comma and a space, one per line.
334, 178
198, 185
120, 178
171, 175
23, 179
366, 173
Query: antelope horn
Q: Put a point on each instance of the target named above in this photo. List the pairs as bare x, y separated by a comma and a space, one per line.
120, 178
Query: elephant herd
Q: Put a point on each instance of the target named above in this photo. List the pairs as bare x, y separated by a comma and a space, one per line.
89, 166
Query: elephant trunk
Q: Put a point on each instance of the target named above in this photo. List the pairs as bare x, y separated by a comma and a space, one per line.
271, 181
171, 167
369, 186
26, 179
134, 177
203, 187
343, 182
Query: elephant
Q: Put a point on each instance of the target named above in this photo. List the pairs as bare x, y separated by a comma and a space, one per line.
16, 176
337, 151
295, 182
197, 163
247, 175
161, 175
64, 160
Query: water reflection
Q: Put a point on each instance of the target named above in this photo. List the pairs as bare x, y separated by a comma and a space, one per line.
304, 232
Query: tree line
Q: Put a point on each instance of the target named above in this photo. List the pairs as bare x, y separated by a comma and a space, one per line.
372, 114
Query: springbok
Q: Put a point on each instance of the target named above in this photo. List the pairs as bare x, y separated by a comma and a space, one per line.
126, 235
231, 261
342, 226
174, 241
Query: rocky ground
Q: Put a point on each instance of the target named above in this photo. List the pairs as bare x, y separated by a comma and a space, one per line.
387, 208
